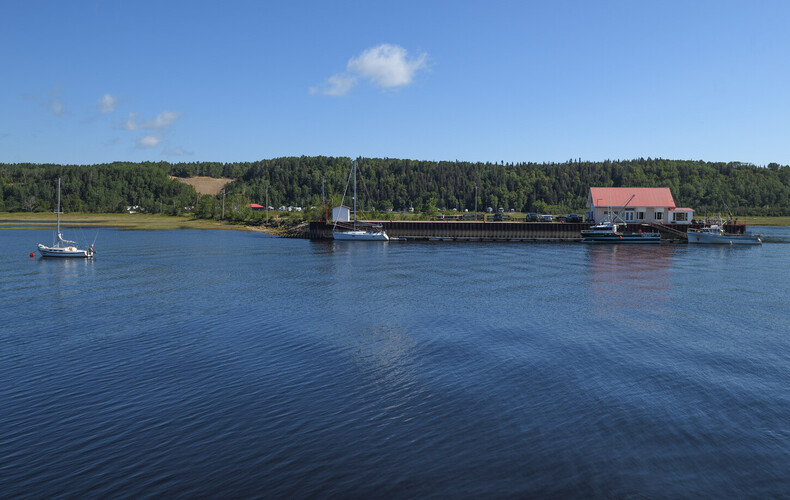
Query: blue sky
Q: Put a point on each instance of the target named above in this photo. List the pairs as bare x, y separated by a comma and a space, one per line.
93, 82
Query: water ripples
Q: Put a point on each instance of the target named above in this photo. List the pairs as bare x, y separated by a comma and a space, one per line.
197, 363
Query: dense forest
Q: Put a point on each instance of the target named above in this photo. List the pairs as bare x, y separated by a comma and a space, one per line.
394, 184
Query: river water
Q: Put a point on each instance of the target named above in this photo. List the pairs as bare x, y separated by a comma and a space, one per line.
233, 364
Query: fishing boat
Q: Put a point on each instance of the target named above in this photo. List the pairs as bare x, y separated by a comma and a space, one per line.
609, 232
62, 247
360, 232
714, 234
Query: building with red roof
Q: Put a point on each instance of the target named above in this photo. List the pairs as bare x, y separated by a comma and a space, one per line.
637, 204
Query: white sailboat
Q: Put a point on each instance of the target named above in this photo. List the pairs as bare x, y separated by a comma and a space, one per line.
370, 232
62, 246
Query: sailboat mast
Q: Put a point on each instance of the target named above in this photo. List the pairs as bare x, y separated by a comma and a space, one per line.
355, 195
58, 209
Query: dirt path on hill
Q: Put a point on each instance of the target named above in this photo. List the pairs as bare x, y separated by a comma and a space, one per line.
205, 185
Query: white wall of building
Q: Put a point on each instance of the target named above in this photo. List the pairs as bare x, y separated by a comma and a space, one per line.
341, 214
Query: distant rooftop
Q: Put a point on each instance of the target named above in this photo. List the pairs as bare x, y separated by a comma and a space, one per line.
645, 196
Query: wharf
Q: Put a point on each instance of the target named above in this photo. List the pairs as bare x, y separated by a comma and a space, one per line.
506, 231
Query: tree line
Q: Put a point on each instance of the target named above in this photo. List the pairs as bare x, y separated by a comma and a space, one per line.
106, 188
395, 184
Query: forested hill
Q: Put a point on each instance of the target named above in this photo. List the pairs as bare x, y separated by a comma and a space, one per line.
387, 183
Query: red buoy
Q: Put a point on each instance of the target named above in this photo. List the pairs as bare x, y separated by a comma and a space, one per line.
32, 255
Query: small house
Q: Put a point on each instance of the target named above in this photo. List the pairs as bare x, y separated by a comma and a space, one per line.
637, 204
341, 213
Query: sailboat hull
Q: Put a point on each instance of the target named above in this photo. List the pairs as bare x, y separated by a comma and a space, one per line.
64, 252
360, 235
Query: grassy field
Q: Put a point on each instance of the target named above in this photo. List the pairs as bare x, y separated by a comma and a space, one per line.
764, 221
123, 221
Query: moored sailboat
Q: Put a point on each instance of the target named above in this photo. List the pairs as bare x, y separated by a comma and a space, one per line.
63, 247
360, 232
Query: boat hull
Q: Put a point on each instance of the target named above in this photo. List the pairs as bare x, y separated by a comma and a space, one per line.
725, 239
64, 252
360, 236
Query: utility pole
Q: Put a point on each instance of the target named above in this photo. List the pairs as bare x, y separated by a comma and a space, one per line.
475, 201
267, 203
323, 200
223, 203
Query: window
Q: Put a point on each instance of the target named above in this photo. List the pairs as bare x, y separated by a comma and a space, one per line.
640, 216
659, 215
681, 216
629, 215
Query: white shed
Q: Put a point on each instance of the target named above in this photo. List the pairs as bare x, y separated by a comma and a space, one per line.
341, 213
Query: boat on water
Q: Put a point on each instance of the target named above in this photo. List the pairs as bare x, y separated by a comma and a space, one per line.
374, 232
714, 234
360, 232
609, 232
62, 247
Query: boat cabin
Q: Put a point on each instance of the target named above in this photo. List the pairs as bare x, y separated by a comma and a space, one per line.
649, 205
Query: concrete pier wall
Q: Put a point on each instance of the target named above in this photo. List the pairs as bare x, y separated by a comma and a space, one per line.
498, 231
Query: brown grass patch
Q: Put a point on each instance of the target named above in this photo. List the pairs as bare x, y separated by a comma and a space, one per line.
205, 185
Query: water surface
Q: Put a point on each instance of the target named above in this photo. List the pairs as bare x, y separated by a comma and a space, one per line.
233, 364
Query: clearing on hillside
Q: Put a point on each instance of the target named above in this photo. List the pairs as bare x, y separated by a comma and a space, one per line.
205, 185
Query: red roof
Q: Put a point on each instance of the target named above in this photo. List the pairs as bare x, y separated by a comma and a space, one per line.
618, 197
254, 205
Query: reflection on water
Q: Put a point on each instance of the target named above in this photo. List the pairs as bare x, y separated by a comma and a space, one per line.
630, 278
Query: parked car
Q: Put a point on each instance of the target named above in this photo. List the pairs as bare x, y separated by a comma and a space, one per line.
545, 218
573, 218
499, 216
532, 217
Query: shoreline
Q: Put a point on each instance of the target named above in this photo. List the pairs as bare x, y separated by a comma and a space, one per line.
44, 220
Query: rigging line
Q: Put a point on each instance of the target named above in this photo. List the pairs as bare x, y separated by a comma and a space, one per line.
365, 187
343, 199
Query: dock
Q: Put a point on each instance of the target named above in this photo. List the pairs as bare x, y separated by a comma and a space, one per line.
532, 232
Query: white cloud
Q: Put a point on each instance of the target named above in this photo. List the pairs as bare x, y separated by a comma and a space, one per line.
148, 141
386, 66
56, 107
107, 103
54, 103
338, 84
163, 120
130, 122
177, 152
